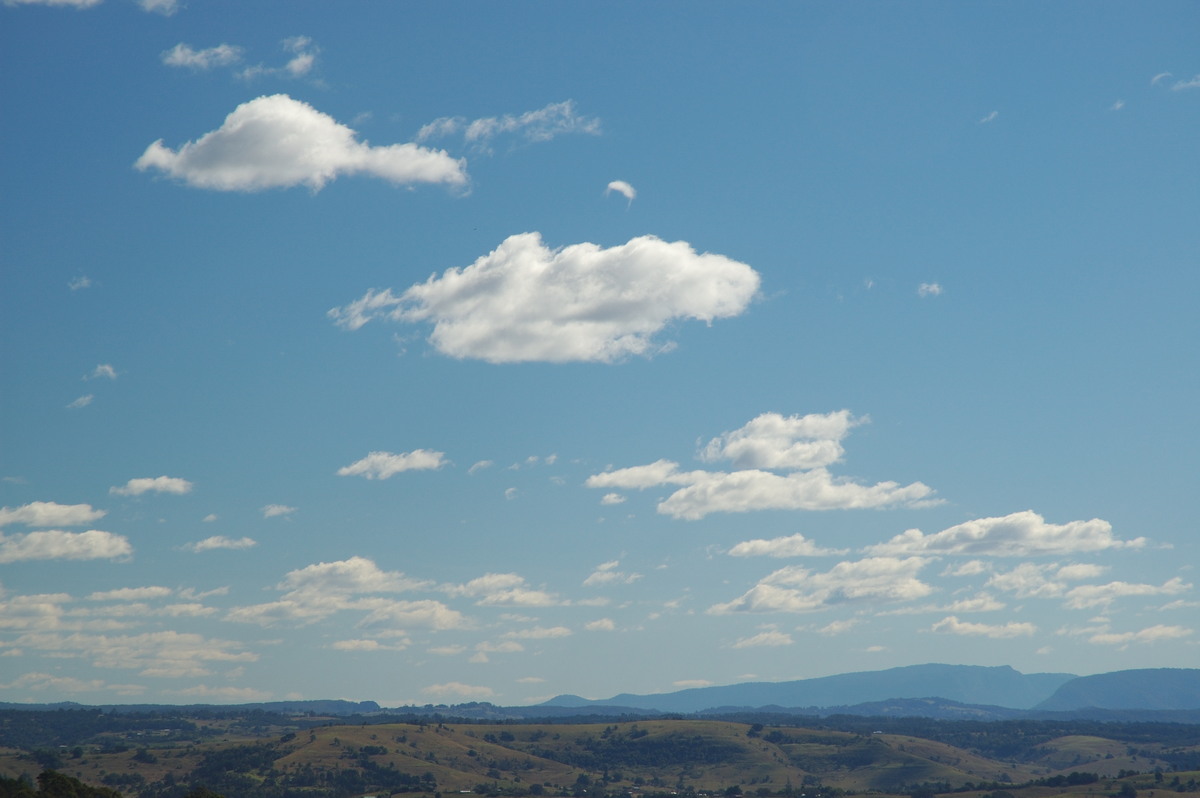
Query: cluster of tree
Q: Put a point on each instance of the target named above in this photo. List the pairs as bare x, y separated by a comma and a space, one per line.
30, 729
52, 784
634, 748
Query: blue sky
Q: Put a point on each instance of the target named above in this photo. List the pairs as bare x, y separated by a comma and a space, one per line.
440, 352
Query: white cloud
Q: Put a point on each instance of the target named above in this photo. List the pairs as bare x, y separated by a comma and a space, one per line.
952, 625
525, 302
624, 189
1087, 596
136, 487
323, 589
1150, 634
103, 371
458, 689
660, 472
929, 289
1022, 534
164, 7
50, 514
424, 612
237, 695
220, 542
1028, 580
540, 633
166, 654
771, 440
774, 441
991, 117
208, 519
1117, 106
55, 544
368, 645
745, 491
304, 58
503, 647
610, 499
79, 283
684, 684
182, 55
1194, 83
132, 593
82, 401
480, 465
607, 573
69, 684
543, 124
304, 55
770, 638
381, 465
276, 510
1154, 81
792, 546
278, 142
838, 627
796, 589
354, 575
969, 568
983, 602
600, 625
507, 590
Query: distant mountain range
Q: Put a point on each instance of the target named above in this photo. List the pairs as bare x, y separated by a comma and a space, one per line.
939, 690
968, 684
964, 692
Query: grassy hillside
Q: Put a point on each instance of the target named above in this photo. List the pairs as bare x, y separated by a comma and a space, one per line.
278, 760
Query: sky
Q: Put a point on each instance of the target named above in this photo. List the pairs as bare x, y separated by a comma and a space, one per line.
436, 352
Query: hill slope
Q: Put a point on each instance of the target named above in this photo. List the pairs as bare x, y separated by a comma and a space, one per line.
1147, 688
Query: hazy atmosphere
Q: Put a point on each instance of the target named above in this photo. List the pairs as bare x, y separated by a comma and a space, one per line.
437, 352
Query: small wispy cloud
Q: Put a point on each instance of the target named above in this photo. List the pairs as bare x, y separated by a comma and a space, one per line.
991, 117
1193, 83
277, 510
136, 487
304, 58
624, 189
184, 55
82, 401
1117, 106
381, 465
163, 7
79, 283
543, 124
929, 289
769, 638
103, 371
1161, 76
220, 542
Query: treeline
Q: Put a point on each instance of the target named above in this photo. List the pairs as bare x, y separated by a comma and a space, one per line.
30, 729
52, 784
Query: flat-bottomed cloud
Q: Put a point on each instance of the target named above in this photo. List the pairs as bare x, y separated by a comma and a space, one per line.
381, 465
1022, 534
527, 302
277, 142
